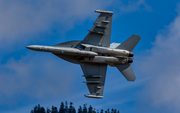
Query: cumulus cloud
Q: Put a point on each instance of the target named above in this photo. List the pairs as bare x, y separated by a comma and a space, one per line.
35, 77
19, 18
22, 20
162, 92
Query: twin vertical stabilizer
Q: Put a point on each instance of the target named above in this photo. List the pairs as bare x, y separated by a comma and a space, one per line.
129, 45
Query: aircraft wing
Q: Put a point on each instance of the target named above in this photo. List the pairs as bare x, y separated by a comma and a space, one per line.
100, 33
95, 75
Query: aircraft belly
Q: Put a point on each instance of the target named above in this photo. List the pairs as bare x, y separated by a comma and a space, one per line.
112, 61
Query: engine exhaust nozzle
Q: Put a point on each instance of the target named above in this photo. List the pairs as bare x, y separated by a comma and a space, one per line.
131, 54
130, 60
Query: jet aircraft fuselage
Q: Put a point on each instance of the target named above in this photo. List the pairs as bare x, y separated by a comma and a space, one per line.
95, 52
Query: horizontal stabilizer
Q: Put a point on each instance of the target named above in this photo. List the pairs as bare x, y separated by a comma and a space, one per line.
126, 71
130, 43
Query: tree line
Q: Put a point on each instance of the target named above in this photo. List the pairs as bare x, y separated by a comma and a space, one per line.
64, 108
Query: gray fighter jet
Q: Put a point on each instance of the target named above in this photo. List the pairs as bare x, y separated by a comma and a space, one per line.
95, 52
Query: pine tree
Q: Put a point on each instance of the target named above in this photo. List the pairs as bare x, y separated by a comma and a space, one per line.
62, 109
38, 109
84, 109
48, 110
54, 109
80, 109
32, 111
112, 110
71, 108
94, 110
66, 107
90, 109
101, 111
42, 110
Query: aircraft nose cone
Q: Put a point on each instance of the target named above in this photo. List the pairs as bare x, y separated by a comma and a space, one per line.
28, 47
32, 47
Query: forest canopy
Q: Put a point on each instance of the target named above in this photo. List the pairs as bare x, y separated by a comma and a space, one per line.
65, 108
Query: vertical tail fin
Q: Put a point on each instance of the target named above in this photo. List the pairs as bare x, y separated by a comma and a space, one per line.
130, 43
126, 71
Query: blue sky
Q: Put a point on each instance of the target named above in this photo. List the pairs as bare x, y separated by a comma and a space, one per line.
28, 78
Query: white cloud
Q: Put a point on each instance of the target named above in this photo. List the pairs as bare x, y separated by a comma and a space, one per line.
19, 18
36, 77
162, 92
23, 20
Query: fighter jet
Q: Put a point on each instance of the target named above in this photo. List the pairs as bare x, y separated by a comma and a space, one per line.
95, 52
